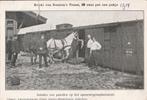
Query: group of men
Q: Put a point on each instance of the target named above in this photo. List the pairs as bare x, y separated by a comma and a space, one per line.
93, 48
13, 48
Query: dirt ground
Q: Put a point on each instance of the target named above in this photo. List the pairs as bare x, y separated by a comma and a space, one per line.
65, 76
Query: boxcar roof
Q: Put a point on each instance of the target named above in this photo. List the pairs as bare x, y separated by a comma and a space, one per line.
88, 26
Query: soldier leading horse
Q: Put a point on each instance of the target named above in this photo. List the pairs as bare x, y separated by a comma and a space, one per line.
60, 47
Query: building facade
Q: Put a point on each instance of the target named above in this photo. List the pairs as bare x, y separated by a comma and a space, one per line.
11, 28
19, 19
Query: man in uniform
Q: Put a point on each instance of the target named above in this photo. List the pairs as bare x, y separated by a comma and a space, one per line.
42, 51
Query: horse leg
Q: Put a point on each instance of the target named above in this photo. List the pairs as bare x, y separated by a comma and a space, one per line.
31, 57
50, 58
77, 53
35, 58
66, 54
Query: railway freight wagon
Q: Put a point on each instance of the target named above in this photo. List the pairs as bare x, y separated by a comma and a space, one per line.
122, 43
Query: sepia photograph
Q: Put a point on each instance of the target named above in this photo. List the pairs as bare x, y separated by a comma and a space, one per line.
74, 50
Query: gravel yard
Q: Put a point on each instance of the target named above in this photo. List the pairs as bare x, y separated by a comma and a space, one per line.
65, 76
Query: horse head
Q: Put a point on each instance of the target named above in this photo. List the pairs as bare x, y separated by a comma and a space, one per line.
75, 34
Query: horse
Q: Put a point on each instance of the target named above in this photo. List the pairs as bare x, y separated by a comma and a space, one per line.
61, 46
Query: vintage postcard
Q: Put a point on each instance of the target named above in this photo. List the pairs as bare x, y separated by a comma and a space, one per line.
73, 50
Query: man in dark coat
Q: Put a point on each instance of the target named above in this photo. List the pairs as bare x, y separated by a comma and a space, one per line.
76, 45
33, 50
9, 48
42, 51
15, 50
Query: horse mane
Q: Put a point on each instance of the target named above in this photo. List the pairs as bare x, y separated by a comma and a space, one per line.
69, 38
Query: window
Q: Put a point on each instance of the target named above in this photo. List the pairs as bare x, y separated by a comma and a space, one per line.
10, 23
10, 31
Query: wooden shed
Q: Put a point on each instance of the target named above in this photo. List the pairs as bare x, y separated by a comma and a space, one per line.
19, 19
122, 43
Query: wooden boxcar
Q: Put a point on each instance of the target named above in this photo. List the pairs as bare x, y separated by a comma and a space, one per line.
122, 43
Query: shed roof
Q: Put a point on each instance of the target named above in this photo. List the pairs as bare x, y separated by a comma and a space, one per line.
27, 17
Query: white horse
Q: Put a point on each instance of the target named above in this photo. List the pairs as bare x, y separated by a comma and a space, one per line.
61, 44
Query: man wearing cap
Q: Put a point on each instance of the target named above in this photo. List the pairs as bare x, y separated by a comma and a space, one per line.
42, 51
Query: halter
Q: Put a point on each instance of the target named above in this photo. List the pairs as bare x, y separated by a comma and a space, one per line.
63, 41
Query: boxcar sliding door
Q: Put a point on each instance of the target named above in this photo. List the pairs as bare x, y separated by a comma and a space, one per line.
130, 59
115, 48
109, 31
